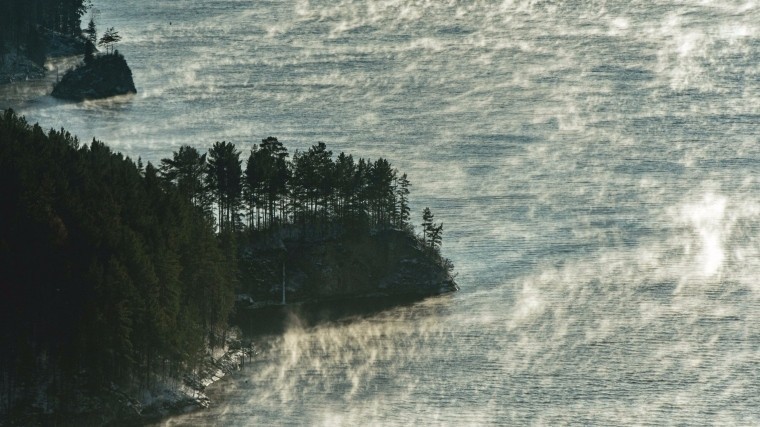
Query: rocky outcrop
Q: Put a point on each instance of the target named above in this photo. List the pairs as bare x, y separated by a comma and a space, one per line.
103, 77
384, 264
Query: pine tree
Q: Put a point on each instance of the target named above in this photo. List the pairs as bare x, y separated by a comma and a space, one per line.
224, 179
361, 193
278, 174
381, 191
427, 225
432, 232
253, 187
344, 174
267, 176
91, 32
91, 36
323, 170
187, 171
109, 39
436, 235
402, 195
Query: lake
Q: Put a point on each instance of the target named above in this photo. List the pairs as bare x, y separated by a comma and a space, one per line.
595, 164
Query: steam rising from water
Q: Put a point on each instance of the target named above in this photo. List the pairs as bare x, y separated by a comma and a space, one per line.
707, 219
628, 336
594, 164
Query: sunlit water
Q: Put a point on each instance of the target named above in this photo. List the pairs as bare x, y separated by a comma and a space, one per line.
595, 164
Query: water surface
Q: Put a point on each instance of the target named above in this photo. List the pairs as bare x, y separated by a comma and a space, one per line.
595, 165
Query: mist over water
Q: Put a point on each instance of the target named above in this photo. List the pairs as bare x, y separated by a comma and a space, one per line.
595, 165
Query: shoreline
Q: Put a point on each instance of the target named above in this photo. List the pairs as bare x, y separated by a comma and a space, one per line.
189, 394
173, 396
17, 67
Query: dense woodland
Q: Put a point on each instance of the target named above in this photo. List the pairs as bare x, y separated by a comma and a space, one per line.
21, 22
107, 274
115, 272
270, 189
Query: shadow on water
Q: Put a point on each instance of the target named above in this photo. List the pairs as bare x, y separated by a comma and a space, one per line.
276, 319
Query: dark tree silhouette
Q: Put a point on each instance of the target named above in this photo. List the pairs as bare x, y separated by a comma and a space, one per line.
436, 235
91, 32
427, 225
402, 195
91, 36
432, 233
277, 174
266, 180
360, 202
225, 184
312, 185
109, 39
345, 169
381, 193
187, 171
253, 187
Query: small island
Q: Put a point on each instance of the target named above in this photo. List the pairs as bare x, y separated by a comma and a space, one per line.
121, 280
100, 76
105, 76
30, 35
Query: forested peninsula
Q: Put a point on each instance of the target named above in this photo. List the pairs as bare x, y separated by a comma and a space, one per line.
118, 279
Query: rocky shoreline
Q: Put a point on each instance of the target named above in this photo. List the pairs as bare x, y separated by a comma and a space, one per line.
103, 77
114, 406
17, 66
190, 395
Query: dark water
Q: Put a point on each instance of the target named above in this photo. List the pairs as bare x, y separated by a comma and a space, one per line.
595, 164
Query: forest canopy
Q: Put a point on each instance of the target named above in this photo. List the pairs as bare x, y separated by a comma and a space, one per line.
272, 189
115, 272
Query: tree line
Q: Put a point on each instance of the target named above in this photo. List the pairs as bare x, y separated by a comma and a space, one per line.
311, 189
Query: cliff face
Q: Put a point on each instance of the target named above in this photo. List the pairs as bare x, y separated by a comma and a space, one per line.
105, 76
388, 263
